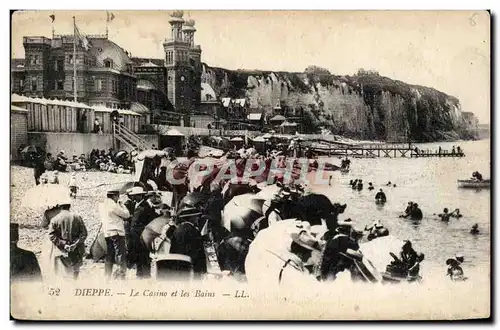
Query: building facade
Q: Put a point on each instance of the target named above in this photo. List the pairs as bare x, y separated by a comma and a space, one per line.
107, 76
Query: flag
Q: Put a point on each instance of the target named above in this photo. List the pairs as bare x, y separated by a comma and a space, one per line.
110, 16
53, 17
82, 39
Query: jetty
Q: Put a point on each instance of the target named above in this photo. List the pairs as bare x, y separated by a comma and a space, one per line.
376, 150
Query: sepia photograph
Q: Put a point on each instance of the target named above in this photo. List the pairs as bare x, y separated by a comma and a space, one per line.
250, 165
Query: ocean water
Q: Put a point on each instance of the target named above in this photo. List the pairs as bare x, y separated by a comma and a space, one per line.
432, 183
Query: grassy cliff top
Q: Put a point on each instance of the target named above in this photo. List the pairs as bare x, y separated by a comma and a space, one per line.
368, 80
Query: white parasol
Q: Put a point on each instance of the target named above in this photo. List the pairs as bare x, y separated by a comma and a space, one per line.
43, 197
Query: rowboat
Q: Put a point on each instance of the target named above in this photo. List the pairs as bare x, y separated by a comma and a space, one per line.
473, 184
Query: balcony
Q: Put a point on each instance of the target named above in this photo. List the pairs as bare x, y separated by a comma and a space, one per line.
37, 40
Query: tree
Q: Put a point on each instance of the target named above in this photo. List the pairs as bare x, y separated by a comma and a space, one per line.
316, 70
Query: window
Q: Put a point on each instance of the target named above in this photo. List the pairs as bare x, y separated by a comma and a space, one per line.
98, 85
33, 84
55, 65
21, 83
60, 85
70, 59
108, 63
35, 59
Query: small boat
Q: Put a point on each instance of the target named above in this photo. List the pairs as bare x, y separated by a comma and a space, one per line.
473, 183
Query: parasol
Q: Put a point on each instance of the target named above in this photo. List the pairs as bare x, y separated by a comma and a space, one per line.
379, 250
29, 149
151, 154
46, 196
121, 153
153, 230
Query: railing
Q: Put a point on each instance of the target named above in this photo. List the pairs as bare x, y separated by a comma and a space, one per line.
37, 40
132, 140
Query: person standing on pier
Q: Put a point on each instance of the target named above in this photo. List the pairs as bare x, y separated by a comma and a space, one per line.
453, 150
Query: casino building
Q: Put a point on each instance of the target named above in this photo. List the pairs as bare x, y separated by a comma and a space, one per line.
108, 76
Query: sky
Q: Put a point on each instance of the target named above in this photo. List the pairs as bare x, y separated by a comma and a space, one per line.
446, 50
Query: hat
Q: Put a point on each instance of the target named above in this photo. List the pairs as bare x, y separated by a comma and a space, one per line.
345, 223
188, 212
62, 151
137, 191
14, 232
459, 257
306, 240
152, 193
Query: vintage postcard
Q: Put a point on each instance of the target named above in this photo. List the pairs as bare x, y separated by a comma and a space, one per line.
250, 165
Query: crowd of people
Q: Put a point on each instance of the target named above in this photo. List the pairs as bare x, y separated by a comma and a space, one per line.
190, 228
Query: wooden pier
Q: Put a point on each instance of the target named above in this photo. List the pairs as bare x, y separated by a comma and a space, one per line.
376, 150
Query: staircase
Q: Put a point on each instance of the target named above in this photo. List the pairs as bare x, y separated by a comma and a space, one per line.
128, 138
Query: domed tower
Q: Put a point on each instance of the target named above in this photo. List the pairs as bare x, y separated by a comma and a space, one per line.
194, 59
183, 65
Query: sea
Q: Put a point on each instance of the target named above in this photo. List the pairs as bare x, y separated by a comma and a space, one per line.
432, 183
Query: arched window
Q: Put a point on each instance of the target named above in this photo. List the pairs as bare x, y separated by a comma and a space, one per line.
108, 63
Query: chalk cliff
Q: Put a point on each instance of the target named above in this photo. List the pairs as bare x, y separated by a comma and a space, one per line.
365, 106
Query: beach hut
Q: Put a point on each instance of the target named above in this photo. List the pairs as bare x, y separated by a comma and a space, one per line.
288, 127
46, 115
172, 138
277, 120
237, 141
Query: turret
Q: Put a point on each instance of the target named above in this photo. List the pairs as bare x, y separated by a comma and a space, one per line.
176, 21
188, 29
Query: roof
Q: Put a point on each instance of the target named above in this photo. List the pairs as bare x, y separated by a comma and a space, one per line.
173, 132
145, 84
226, 101
139, 108
254, 116
287, 123
206, 89
259, 139
15, 98
149, 64
18, 109
104, 49
240, 102
120, 111
278, 118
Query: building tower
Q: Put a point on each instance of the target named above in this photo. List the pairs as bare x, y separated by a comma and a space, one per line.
194, 60
182, 61
37, 50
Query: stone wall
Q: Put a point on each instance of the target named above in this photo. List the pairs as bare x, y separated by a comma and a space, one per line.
77, 143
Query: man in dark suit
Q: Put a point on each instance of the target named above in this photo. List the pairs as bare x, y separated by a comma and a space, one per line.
39, 167
23, 264
68, 232
187, 240
144, 213
158, 174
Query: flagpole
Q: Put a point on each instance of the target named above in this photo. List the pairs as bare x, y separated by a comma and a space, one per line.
53, 29
107, 20
74, 60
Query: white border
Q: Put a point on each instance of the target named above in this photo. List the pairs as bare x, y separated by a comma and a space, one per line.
190, 4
